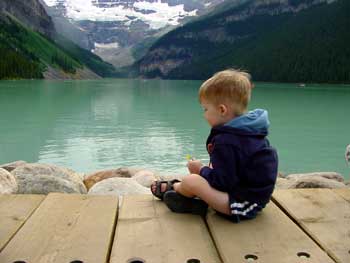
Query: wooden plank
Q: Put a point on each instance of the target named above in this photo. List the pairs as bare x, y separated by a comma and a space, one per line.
324, 215
14, 211
343, 192
149, 232
270, 237
66, 228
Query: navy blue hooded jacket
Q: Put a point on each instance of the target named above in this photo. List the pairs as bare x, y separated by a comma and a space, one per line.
243, 162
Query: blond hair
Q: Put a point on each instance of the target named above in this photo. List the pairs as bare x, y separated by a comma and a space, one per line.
231, 87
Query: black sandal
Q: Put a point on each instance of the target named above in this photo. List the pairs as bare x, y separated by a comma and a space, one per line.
182, 204
169, 186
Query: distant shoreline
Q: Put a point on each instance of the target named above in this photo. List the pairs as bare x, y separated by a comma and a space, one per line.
346, 85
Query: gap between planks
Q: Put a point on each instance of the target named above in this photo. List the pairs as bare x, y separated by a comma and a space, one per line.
76, 205
43, 197
339, 194
299, 226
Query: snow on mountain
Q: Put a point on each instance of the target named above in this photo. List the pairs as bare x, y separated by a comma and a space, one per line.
121, 30
50, 2
156, 14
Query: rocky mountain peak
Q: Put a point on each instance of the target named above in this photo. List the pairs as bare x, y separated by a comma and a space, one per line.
114, 29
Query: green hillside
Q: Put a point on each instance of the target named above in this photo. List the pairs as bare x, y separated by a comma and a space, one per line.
27, 54
93, 62
308, 46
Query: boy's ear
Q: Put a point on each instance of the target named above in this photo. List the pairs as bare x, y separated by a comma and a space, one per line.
222, 109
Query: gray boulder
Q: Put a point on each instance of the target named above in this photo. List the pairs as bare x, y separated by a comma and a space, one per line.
12, 166
8, 184
328, 175
308, 182
283, 183
37, 178
145, 177
281, 175
118, 186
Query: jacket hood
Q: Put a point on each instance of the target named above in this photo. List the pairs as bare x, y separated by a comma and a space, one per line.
255, 122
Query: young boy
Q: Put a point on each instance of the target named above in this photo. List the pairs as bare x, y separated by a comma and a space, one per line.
241, 176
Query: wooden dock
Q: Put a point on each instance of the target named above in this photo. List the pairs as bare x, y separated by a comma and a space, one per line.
306, 225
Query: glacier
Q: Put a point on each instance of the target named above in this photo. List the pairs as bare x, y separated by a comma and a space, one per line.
156, 14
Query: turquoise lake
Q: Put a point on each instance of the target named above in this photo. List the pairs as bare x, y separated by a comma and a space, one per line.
91, 125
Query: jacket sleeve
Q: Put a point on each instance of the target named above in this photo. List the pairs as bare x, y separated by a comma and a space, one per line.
223, 175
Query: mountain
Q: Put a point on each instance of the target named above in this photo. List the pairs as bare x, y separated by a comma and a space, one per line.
31, 48
275, 40
120, 31
31, 13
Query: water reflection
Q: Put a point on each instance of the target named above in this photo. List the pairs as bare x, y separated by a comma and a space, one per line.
91, 125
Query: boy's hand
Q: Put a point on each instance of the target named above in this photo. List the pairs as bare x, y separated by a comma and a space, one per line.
194, 166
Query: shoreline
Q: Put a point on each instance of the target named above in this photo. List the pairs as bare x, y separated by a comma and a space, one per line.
20, 177
345, 84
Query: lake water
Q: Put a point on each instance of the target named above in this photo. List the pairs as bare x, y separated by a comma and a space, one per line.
92, 125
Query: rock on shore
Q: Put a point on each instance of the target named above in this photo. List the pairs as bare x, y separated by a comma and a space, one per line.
8, 184
37, 178
145, 177
12, 166
328, 175
119, 186
311, 180
91, 179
